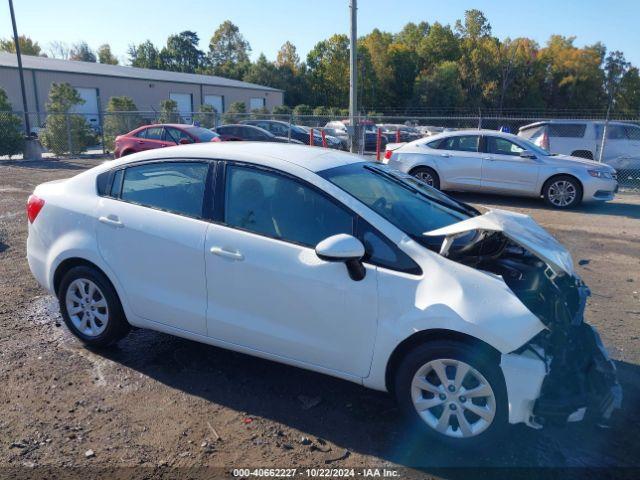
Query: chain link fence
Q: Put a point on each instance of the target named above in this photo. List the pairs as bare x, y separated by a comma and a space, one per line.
615, 142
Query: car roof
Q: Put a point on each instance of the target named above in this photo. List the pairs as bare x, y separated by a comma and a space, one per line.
473, 131
314, 159
573, 122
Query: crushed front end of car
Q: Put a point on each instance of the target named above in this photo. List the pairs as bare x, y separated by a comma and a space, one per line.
564, 373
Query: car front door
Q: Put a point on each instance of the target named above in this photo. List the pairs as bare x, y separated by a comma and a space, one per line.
154, 138
459, 162
151, 233
504, 170
268, 290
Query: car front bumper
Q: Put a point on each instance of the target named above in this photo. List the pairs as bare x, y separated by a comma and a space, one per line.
578, 382
599, 190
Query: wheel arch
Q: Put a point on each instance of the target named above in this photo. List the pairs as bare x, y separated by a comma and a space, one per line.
562, 174
73, 262
425, 336
583, 153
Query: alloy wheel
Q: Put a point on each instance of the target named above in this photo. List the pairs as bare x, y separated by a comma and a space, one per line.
425, 176
562, 193
453, 398
87, 307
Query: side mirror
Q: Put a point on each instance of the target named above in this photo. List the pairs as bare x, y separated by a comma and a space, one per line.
185, 141
528, 154
343, 248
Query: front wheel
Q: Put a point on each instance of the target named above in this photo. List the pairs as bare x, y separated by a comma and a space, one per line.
454, 392
562, 192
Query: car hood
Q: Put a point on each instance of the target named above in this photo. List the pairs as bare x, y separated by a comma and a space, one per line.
520, 229
567, 160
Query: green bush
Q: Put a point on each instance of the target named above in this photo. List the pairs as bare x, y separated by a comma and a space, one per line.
281, 110
121, 117
322, 111
259, 112
206, 116
11, 136
302, 110
65, 132
231, 115
169, 112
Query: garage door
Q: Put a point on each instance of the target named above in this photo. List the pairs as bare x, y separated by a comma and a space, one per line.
184, 105
216, 101
90, 106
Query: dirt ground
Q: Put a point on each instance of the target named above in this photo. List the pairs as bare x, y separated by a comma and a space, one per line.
156, 402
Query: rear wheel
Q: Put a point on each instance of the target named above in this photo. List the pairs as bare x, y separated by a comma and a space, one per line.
562, 192
454, 392
427, 175
90, 307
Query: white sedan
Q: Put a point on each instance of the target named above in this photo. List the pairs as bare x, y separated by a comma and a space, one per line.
324, 261
496, 162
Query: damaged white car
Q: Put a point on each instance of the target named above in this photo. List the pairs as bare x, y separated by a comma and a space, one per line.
321, 260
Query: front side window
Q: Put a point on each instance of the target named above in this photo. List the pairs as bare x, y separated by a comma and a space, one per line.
502, 146
175, 135
467, 143
142, 133
176, 187
278, 206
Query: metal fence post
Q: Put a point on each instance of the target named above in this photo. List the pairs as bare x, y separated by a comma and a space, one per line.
289, 130
603, 143
68, 123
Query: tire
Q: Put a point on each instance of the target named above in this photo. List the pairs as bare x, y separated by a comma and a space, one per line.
421, 362
427, 175
553, 192
105, 322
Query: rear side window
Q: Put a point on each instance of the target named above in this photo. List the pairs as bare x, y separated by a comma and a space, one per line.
531, 132
154, 133
567, 130
176, 187
467, 143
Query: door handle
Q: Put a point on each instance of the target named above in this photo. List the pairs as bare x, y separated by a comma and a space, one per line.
113, 221
446, 155
488, 158
221, 252
163, 144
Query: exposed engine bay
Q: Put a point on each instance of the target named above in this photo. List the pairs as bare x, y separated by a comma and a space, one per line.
581, 378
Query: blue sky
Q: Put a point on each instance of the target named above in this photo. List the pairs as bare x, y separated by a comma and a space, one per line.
266, 25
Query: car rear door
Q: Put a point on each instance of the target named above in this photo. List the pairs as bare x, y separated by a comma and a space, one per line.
503, 170
268, 290
459, 162
151, 233
154, 138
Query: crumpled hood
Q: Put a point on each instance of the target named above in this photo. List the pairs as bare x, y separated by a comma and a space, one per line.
520, 229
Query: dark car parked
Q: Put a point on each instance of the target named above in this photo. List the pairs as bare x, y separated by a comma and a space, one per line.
160, 136
296, 132
249, 132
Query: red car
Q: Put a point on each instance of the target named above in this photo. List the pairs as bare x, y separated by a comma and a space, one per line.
159, 136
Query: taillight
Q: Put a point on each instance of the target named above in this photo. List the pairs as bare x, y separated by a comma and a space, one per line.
216, 139
544, 142
388, 154
34, 205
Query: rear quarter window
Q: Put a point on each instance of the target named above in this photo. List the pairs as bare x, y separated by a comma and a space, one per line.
567, 130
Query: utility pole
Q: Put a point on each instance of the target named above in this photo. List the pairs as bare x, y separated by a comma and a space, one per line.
21, 73
353, 75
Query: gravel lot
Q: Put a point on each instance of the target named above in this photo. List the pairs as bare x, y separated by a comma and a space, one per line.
156, 401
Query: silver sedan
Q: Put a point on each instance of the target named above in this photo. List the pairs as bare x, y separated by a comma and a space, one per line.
496, 162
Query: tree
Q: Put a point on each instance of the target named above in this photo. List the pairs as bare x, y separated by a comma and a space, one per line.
145, 55
281, 110
229, 52
206, 116
11, 137
27, 46
301, 110
59, 50
105, 55
121, 117
412, 35
263, 72
615, 69
65, 132
181, 53
288, 57
440, 88
328, 64
169, 112
439, 45
82, 53
628, 97
475, 25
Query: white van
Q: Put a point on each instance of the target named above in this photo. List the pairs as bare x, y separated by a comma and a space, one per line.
583, 138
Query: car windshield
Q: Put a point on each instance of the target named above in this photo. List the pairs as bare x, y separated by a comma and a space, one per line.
408, 203
202, 134
529, 145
